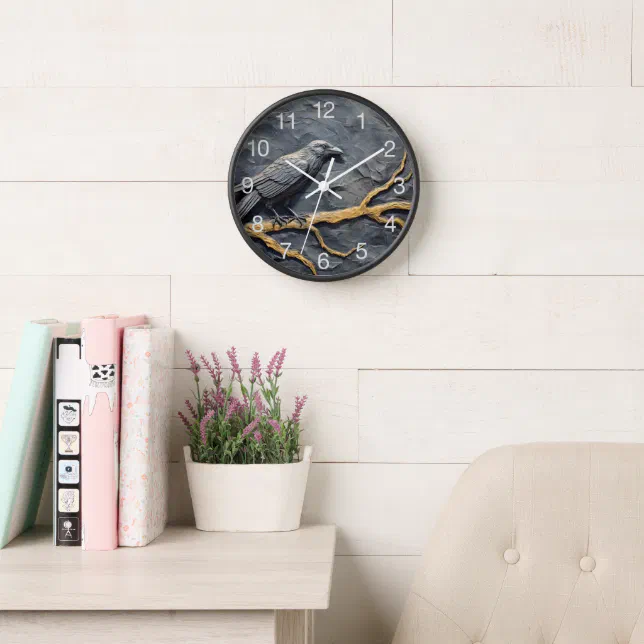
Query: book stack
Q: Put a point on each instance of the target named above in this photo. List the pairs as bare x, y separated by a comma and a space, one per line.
77, 383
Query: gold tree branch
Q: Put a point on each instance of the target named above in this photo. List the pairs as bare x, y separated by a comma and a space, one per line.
363, 209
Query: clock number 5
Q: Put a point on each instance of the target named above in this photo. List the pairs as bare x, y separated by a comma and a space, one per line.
328, 106
361, 250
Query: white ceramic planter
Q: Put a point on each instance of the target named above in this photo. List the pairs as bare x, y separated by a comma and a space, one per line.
248, 498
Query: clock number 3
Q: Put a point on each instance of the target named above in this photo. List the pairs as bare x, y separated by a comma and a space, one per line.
400, 186
328, 106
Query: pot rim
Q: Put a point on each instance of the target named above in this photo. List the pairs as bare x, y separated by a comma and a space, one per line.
307, 453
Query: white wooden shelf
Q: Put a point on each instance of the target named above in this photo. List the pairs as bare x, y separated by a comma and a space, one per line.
184, 569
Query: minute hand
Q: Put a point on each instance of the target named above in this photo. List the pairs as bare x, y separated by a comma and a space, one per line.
353, 167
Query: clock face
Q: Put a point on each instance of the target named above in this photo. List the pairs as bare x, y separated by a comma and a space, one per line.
323, 185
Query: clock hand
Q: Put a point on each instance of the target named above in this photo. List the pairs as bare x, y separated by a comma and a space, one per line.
308, 176
317, 205
353, 167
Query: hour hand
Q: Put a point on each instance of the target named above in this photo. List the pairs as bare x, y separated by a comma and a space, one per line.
308, 176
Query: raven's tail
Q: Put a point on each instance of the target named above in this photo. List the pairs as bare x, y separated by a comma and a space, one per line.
248, 203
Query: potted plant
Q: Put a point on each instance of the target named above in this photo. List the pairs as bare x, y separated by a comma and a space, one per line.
243, 461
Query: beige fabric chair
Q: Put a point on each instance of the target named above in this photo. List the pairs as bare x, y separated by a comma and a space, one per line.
539, 544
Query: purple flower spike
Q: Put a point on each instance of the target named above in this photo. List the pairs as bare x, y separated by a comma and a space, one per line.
215, 361
280, 363
209, 368
258, 436
185, 421
233, 406
299, 405
250, 427
256, 369
191, 408
275, 425
202, 427
270, 368
259, 403
234, 363
194, 366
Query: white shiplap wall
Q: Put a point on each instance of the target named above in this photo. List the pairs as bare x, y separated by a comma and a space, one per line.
513, 313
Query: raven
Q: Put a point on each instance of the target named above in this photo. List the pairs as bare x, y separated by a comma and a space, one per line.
280, 180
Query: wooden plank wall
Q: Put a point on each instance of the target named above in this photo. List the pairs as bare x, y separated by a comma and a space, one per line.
514, 312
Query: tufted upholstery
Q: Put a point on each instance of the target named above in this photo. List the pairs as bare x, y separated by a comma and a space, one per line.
539, 544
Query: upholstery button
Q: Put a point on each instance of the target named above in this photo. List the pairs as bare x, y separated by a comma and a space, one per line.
511, 556
587, 564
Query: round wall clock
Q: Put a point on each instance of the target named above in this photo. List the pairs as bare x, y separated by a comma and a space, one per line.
323, 185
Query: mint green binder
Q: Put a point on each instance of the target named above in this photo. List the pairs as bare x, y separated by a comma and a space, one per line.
27, 429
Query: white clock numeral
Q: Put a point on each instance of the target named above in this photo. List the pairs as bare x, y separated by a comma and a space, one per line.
258, 224
262, 147
323, 261
361, 117
400, 186
290, 116
328, 106
391, 224
390, 146
247, 185
361, 250
286, 245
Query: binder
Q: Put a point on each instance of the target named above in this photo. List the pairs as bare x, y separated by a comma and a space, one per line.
69, 387
26, 435
145, 434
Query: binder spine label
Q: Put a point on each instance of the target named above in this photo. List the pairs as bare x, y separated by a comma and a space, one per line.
67, 443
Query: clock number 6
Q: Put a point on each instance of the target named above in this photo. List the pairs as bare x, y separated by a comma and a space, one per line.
323, 261
361, 250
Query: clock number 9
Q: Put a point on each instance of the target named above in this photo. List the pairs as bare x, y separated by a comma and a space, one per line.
390, 146
262, 147
328, 106
258, 224
361, 250
247, 185
323, 261
290, 116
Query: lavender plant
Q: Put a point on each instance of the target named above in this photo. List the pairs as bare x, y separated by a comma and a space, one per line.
248, 428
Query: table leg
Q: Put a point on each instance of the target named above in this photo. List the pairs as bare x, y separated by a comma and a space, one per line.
294, 627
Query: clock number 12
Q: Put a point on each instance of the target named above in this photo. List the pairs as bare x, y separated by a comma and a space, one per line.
328, 106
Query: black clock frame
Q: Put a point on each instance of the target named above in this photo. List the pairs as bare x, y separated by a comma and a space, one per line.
411, 159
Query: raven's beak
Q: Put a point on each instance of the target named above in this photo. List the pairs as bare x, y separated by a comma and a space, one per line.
336, 151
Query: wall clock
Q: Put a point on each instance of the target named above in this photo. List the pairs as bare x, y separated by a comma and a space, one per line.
323, 185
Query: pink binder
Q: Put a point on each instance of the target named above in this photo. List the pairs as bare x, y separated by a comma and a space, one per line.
101, 342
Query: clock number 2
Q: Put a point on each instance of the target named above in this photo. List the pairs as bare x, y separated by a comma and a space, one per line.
328, 106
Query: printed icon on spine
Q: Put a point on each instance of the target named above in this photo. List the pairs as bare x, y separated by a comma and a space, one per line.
68, 500
68, 472
69, 443
68, 414
68, 529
